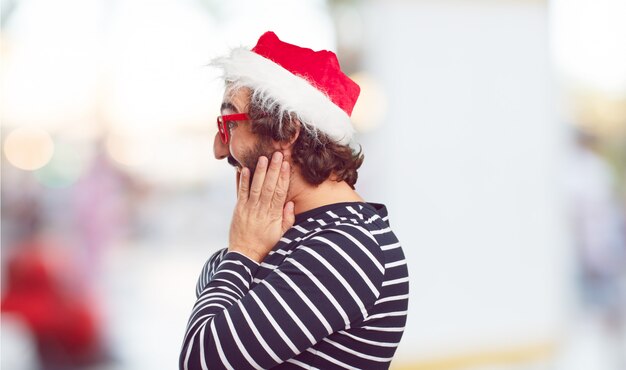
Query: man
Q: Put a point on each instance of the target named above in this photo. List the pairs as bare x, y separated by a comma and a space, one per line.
313, 276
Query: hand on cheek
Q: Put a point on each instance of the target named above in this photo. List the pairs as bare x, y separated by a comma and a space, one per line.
261, 216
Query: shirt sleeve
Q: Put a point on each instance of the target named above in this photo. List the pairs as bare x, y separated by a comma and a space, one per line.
208, 270
325, 285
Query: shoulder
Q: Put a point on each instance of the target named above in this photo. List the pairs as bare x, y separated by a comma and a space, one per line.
351, 227
345, 242
355, 232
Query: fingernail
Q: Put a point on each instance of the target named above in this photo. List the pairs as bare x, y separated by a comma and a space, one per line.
262, 160
277, 157
284, 166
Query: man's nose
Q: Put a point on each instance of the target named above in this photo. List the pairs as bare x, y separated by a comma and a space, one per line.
220, 150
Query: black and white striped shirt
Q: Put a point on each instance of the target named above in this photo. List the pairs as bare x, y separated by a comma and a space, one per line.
333, 293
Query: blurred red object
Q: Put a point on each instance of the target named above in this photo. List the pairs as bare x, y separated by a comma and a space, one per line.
60, 318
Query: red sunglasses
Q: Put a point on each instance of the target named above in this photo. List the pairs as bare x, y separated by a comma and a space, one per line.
222, 123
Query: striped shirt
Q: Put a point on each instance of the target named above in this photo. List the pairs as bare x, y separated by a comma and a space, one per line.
332, 293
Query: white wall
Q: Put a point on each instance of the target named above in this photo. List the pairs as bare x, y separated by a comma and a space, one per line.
467, 160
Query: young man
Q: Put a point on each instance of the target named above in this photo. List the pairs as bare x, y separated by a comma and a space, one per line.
313, 276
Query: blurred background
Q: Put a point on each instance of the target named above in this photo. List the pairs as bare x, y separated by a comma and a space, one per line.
495, 131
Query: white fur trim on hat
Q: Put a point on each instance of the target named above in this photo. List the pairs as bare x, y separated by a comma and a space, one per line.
293, 93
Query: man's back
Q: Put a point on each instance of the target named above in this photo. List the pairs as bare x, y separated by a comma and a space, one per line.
332, 293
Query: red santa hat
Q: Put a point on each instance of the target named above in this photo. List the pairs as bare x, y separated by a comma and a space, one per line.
302, 81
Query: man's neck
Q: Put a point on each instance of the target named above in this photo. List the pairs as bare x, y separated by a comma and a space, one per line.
306, 196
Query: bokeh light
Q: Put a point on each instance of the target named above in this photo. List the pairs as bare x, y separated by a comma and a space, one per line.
369, 111
66, 165
128, 150
28, 148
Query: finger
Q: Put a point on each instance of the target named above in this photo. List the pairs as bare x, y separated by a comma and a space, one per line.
289, 217
271, 177
237, 179
258, 179
282, 188
244, 185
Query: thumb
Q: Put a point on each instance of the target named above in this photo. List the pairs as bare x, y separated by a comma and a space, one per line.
288, 216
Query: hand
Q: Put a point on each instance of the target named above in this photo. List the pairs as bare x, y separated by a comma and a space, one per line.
261, 216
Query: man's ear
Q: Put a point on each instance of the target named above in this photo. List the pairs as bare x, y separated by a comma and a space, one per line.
289, 143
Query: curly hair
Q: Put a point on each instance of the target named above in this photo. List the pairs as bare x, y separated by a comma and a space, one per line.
317, 155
